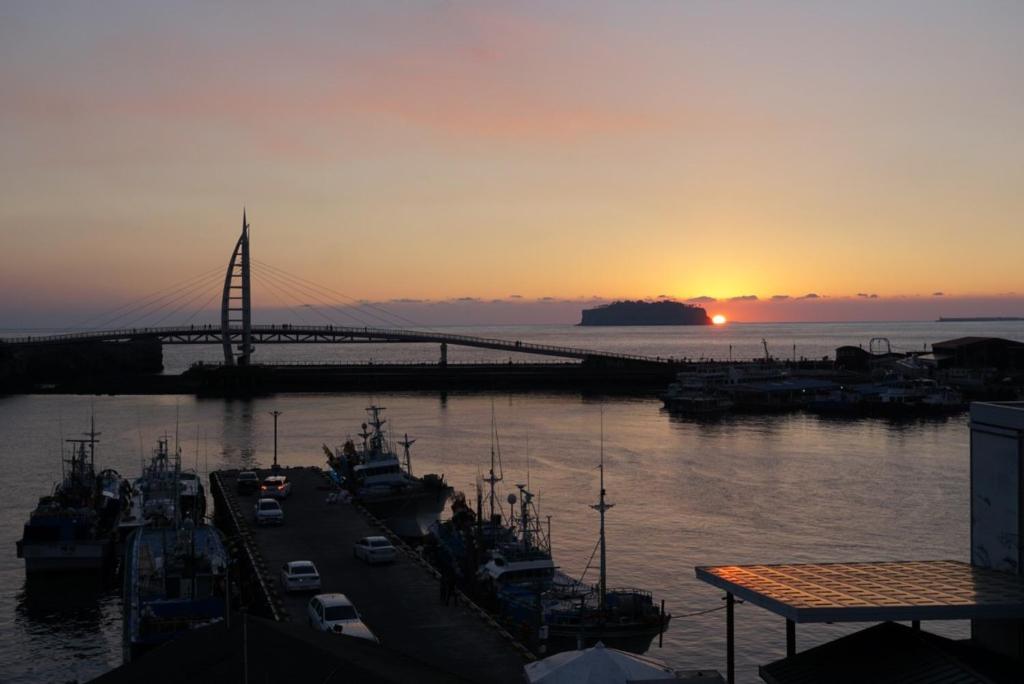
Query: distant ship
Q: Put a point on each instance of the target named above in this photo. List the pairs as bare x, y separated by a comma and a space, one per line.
646, 313
379, 480
980, 319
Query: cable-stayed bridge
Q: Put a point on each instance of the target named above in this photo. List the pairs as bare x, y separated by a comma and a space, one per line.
143, 319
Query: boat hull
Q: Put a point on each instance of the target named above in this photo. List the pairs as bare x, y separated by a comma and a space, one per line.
408, 514
65, 557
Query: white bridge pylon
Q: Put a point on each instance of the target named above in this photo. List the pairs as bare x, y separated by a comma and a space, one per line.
236, 303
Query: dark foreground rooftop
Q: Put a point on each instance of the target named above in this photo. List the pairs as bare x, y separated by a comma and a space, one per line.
892, 654
273, 652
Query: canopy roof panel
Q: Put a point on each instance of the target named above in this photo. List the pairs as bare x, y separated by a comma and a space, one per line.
870, 592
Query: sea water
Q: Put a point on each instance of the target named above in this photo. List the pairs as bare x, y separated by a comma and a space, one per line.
745, 489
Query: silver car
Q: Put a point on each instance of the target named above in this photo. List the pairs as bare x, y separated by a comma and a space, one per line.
268, 512
300, 575
374, 550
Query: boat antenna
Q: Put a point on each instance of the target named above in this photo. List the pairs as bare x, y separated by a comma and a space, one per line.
177, 422
92, 436
60, 445
601, 507
527, 461
142, 450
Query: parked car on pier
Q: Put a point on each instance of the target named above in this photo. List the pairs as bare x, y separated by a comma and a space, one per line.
374, 550
276, 486
268, 512
335, 613
248, 482
300, 575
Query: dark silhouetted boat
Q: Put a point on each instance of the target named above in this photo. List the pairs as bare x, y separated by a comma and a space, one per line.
379, 480
72, 529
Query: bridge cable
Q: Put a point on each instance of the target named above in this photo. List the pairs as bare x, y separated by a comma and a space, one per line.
358, 304
305, 291
202, 308
285, 288
297, 311
170, 297
135, 322
285, 306
159, 294
191, 301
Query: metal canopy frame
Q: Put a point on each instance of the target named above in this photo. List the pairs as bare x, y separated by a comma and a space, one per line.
865, 592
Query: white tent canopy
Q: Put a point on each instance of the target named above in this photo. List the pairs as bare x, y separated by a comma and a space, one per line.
597, 665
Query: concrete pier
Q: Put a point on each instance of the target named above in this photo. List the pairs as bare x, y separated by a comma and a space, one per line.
399, 602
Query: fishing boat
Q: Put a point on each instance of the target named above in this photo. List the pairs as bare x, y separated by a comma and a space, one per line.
175, 580
72, 528
163, 492
891, 398
502, 560
380, 480
578, 616
175, 565
506, 564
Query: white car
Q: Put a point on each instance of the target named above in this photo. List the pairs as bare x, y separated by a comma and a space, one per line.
276, 486
268, 512
335, 613
300, 576
374, 550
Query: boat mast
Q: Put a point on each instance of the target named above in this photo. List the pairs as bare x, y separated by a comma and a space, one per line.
491, 478
377, 437
601, 507
406, 443
525, 497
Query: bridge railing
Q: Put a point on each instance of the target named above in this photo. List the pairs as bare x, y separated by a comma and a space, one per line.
337, 331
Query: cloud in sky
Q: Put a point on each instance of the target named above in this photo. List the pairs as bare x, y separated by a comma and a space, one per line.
810, 295
938, 294
744, 298
779, 298
703, 299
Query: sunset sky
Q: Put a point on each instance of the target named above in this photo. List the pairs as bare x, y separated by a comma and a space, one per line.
473, 151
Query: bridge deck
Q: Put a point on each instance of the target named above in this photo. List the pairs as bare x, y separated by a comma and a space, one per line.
328, 334
399, 602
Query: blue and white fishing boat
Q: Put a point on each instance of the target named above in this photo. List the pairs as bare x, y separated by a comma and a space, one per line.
175, 565
72, 529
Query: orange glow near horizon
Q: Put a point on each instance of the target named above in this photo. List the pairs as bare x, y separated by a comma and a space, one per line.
718, 319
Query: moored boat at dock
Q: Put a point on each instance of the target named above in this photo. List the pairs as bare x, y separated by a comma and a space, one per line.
895, 398
378, 479
506, 564
175, 580
72, 529
578, 616
175, 565
162, 493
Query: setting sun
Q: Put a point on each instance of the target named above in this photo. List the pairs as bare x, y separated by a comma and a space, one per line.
718, 319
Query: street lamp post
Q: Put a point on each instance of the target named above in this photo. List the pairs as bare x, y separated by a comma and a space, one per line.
275, 414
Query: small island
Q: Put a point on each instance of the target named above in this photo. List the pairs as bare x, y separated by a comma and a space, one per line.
645, 313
